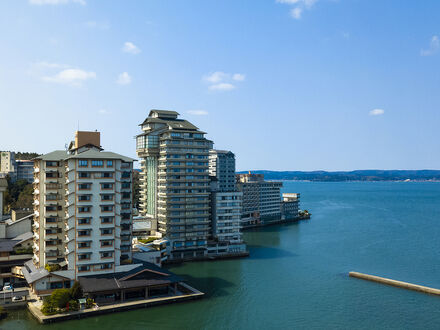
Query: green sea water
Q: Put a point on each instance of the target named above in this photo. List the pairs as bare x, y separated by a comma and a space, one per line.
297, 274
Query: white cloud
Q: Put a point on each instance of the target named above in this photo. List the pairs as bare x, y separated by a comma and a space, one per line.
222, 87
238, 77
198, 112
222, 81
55, 2
131, 48
434, 46
376, 112
103, 112
73, 77
216, 77
124, 79
296, 12
97, 25
298, 6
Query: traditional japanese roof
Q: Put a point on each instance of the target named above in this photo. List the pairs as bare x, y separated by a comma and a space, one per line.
146, 274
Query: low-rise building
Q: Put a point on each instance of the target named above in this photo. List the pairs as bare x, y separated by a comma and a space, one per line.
25, 170
261, 199
290, 206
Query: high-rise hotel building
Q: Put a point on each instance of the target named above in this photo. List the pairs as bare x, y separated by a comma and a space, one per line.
82, 208
226, 203
175, 182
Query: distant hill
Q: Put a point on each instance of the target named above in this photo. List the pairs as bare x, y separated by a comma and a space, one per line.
359, 175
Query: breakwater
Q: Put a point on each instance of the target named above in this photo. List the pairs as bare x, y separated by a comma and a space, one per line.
399, 284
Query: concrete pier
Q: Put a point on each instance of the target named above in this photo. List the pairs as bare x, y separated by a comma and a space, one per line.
399, 284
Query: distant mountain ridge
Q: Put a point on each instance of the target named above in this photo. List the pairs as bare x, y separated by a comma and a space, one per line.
358, 175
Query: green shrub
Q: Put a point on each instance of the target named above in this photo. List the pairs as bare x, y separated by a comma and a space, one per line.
147, 240
52, 267
73, 305
49, 308
60, 297
89, 303
76, 291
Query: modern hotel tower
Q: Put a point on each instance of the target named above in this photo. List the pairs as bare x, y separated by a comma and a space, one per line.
83, 208
175, 181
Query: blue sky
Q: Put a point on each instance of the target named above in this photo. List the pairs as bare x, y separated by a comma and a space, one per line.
286, 85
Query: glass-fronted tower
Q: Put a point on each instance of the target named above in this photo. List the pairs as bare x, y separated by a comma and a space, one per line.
175, 182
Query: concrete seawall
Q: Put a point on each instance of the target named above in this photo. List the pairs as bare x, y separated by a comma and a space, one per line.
399, 284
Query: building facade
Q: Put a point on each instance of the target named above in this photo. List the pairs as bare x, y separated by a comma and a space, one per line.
222, 167
82, 208
261, 199
290, 206
8, 165
25, 170
226, 203
174, 181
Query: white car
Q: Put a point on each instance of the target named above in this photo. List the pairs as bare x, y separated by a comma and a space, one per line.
7, 287
17, 298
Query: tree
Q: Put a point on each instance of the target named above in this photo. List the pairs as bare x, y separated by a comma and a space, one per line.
76, 291
60, 297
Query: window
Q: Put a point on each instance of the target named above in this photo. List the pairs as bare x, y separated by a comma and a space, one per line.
83, 268
107, 231
97, 163
105, 186
106, 243
51, 164
176, 134
84, 197
82, 245
82, 163
84, 209
126, 195
106, 175
84, 186
84, 256
83, 175
106, 208
109, 163
83, 232
84, 221
108, 254
106, 219
106, 197
106, 266
125, 185
125, 175
56, 285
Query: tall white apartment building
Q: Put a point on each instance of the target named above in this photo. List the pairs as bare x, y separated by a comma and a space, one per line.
174, 181
82, 208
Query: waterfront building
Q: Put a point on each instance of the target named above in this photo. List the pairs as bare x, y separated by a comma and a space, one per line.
82, 210
261, 199
290, 205
226, 205
174, 181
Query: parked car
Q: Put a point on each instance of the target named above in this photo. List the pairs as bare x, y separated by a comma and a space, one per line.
7, 287
18, 298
